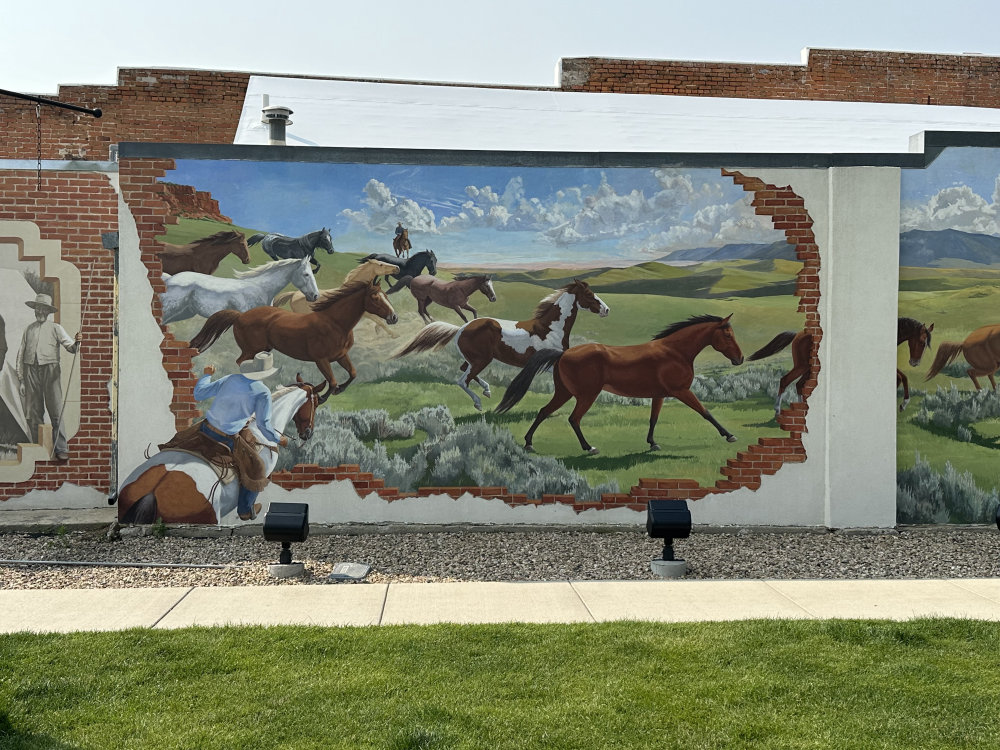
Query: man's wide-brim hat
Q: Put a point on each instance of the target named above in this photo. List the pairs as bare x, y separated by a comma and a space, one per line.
42, 302
259, 367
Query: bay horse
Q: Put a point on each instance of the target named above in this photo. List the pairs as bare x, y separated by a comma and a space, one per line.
915, 333
483, 340
981, 349
204, 255
661, 368
182, 487
322, 336
278, 246
367, 271
401, 244
412, 266
189, 294
454, 294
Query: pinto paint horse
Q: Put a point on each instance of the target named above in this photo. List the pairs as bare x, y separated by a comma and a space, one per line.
181, 487
512, 342
981, 349
322, 336
453, 294
204, 255
662, 368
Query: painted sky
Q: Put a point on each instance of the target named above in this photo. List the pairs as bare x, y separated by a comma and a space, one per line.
488, 214
959, 190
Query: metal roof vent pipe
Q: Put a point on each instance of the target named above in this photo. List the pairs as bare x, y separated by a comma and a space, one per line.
276, 118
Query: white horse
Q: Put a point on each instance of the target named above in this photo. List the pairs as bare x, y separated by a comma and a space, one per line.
189, 293
182, 487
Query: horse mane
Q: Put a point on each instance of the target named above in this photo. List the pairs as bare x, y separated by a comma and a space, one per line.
333, 296
694, 320
464, 275
265, 268
906, 327
546, 303
224, 236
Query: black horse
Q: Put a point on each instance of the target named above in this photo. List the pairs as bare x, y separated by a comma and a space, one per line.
278, 246
412, 266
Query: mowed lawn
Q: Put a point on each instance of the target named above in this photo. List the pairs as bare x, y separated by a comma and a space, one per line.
760, 684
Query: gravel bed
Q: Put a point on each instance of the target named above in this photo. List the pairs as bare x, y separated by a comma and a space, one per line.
498, 556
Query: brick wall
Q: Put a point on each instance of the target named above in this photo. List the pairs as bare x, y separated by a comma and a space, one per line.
830, 75
75, 208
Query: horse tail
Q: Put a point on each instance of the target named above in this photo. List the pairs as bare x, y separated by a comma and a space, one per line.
947, 353
216, 325
282, 299
255, 238
432, 336
403, 281
774, 346
543, 359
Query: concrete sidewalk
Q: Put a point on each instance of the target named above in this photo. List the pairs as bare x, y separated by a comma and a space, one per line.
67, 610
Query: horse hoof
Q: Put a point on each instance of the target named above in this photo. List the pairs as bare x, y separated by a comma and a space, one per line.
592, 452
529, 448
731, 439
654, 446
478, 405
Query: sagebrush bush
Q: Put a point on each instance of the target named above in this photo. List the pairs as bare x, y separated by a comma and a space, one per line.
925, 496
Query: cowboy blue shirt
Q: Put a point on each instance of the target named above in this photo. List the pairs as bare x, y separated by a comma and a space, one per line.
236, 400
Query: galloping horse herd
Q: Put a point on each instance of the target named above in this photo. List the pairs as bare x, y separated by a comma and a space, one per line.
319, 327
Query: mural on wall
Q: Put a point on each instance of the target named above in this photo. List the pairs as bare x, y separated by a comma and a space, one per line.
39, 405
424, 320
948, 436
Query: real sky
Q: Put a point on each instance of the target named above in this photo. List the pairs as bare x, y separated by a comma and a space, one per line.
516, 42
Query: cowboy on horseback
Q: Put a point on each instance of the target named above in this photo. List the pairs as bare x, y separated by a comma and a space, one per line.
224, 438
401, 241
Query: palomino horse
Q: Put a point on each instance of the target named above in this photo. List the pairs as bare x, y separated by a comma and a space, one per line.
279, 246
325, 335
915, 333
401, 244
454, 294
412, 266
367, 271
511, 342
662, 368
981, 349
189, 294
204, 255
181, 487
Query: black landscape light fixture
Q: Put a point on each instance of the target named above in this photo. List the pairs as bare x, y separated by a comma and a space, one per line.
286, 523
668, 520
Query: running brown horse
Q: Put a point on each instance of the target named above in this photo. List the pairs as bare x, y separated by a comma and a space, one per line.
204, 255
325, 335
662, 368
511, 342
454, 294
981, 349
915, 333
401, 244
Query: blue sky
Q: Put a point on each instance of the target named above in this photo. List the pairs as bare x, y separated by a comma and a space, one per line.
515, 42
959, 190
487, 214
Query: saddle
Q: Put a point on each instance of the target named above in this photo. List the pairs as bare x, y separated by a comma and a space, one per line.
243, 459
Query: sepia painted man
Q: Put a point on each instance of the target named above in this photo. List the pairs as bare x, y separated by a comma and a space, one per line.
38, 370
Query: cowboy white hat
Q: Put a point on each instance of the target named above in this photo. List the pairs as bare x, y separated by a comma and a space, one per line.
42, 302
259, 367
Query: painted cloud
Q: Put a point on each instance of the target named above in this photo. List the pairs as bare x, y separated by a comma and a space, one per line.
957, 207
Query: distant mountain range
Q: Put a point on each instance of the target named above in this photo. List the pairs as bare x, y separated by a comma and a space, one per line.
780, 250
923, 249
917, 248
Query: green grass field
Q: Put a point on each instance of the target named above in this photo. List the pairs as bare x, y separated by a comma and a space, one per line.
690, 447
925, 684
